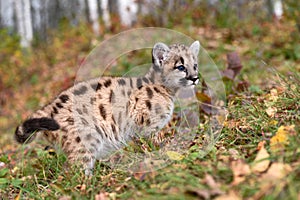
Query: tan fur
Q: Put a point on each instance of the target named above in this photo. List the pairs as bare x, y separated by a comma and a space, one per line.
99, 116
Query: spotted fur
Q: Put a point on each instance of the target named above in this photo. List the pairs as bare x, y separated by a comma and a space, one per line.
95, 117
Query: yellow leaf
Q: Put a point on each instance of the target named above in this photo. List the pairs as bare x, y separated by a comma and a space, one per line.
261, 162
280, 139
173, 155
273, 122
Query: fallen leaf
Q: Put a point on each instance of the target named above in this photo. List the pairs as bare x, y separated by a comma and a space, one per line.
240, 170
213, 185
173, 155
277, 171
234, 63
228, 74
203, 97
230, 196
273, 96
102, 196
280, 139
65, 198
83, 188
261, 162
242, 86
271, 111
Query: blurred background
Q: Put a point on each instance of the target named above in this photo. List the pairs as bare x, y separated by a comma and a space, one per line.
44, 42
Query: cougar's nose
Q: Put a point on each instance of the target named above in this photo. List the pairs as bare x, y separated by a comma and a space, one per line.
195, 79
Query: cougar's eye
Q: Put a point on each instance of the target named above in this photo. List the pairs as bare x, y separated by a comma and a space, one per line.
181, 68
195, 67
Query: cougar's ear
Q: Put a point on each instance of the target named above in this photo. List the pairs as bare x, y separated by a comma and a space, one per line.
195, 47
159, 53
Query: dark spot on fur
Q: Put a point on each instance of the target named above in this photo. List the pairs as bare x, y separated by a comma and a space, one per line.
145, 80
123, 92
139, 83
81, 90
113, 128
131, 84
59, 105
102, 111
93, 99
148, 104
157, 90
64, 98
79, 111
148, 122
182, 60
94, 86
107, 83
112, 97
84, 109
70, 120
149, 92
77, 139
158, 108
55, 111
128, 93
88, 136
64, 139
99, 131
121, 82
142, 119
84, 121
99, 86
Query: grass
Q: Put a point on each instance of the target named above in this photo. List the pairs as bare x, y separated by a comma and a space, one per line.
255, 115
42, 174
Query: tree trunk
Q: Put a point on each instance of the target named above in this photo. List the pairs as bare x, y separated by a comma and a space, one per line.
24, 25
105, 14
128, 11
94, 15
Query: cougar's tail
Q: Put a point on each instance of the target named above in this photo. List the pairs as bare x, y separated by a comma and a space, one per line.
26, 131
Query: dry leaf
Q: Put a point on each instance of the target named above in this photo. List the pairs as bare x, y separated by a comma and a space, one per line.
277, 171
234, 63
261, 162
213, 185
65, 198
230, 196
102, 196
228, 74
240, 169
273, 96
203, 97
280, 139
271, 111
